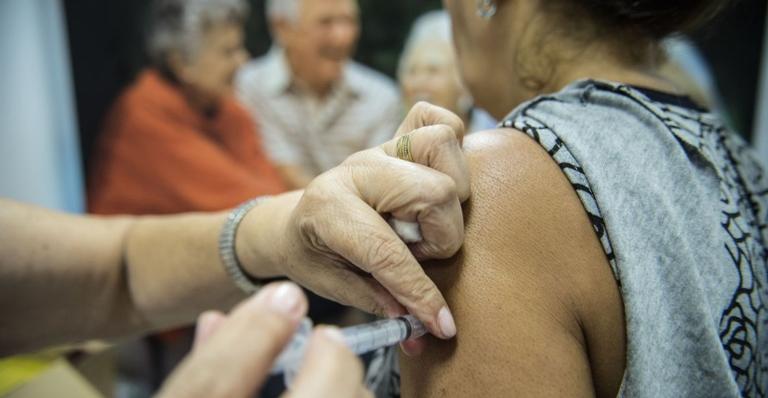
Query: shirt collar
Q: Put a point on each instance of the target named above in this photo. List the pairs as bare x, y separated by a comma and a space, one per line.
280, 80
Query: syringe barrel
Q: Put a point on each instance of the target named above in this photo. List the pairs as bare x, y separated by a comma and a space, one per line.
368, 337
371, 336
360, 339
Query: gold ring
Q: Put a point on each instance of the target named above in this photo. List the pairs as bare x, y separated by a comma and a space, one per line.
404, 148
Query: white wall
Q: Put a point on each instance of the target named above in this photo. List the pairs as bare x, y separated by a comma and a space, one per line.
39, 150
761, 113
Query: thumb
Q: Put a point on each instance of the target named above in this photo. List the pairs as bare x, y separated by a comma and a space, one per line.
237, 357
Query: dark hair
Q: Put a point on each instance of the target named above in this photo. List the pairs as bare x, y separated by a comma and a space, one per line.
655, 19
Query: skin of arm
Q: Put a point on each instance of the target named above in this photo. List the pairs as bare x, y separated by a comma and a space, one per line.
134, 274
66, 278
129, 273
537, 308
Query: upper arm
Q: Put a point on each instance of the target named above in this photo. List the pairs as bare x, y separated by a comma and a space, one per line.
537, 309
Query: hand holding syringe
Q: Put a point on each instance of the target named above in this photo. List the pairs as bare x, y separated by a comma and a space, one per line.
363, 338
360, 339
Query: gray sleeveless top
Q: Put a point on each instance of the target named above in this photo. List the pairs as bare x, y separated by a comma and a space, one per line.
680, 207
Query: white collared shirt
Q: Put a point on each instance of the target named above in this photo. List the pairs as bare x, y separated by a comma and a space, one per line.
361, 111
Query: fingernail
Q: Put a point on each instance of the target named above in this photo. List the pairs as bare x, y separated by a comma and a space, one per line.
285, 298
333, 333
446, 322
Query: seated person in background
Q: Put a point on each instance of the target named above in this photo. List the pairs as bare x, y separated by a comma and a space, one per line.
316, 106
177, 140
428, 71
616, 235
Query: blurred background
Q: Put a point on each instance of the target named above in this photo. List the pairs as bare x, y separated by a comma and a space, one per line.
105, 40
94, 48
64, 63
106, 37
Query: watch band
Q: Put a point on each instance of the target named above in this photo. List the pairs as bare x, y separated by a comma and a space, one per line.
227, 251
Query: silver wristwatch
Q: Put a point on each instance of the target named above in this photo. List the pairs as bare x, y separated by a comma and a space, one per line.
227, 247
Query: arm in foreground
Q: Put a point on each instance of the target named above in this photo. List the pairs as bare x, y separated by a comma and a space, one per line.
536, 305
65, 278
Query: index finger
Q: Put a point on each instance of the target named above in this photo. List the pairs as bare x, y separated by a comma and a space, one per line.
436, 147
424, 114
391, 263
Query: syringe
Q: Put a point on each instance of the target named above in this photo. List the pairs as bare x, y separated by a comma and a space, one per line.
360, 339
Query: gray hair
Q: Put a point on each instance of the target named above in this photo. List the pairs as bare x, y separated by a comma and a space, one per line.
178, 25
434, 26
283, 9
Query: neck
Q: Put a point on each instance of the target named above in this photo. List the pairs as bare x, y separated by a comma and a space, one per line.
596, 65
592, 63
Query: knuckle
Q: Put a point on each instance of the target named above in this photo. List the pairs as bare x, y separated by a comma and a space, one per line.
443, 189
422, 289
316, 195
422, 107
444, 134
385, 254
447, 248
358, 158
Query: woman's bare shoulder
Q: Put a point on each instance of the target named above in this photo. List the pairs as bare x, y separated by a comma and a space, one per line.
527, 287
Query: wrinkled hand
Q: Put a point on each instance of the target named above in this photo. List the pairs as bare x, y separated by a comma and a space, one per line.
340, 246
233, 354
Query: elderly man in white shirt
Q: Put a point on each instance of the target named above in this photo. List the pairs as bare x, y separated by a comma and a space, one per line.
314, 105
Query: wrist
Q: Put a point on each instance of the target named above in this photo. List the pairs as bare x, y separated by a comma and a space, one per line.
261, 239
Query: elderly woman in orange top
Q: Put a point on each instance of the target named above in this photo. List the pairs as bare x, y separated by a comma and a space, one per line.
176, 140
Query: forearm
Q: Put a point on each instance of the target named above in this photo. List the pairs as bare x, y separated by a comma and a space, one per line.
67, 278
169, 292
60, 276
171, 269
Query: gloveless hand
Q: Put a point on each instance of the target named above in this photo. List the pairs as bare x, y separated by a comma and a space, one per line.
233, 354
335, 239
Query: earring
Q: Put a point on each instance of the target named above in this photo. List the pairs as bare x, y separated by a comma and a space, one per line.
486, 9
